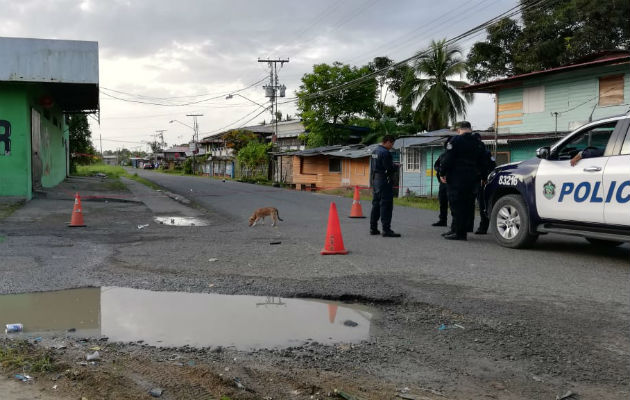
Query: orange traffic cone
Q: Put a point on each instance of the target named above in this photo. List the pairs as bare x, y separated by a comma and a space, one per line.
332, 313
356, 211
77, 214
334, 241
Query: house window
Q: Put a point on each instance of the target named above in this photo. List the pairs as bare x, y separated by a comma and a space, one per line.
412, 160
334, 165
534, 99
611, 90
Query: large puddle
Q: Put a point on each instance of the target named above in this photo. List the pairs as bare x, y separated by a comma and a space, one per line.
179, 319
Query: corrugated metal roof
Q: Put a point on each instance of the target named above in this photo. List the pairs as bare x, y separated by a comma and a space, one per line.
44, 60
489, 87
416, 141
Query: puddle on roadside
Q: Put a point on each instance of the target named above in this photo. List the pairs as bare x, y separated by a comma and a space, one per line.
179, 319
180, 221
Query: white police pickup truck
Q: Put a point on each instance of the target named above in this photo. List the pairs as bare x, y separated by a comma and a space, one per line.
554, 193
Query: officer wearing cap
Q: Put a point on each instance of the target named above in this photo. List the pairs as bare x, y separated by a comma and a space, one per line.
381, 178
464, 161
442, 191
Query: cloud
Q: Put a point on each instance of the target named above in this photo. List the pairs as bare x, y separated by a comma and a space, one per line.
165, 48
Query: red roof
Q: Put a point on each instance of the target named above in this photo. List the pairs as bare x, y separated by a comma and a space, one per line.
604, 58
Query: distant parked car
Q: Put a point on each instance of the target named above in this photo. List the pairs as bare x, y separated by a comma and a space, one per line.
147, 166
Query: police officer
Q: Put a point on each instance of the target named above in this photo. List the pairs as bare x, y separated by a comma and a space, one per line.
382, 170
481, 201
442, 193
463, 162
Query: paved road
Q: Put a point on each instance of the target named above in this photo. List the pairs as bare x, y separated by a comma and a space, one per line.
558, 268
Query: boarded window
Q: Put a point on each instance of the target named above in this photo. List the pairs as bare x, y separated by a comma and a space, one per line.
534, 99
412, 159
611, 90
334, 165
502, 158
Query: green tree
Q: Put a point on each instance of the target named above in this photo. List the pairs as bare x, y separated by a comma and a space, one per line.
81, 149
253, 156
430, 93
236, 139
321, 112
551, 34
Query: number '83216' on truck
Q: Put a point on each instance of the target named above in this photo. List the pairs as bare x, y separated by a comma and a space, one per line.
579, 186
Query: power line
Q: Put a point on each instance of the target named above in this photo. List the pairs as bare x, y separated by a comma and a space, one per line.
235, 122
347, 85
218, 94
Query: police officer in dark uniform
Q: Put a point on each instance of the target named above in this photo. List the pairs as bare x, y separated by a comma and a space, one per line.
491, 164
382, 170
442, 193
463, 162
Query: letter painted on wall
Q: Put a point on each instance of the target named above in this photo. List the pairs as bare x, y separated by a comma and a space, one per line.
5, 138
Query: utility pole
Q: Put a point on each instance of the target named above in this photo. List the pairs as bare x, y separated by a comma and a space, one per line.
274, 90
160, 133
195, 137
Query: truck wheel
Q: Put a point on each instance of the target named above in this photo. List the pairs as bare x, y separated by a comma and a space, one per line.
603, 242
510, 222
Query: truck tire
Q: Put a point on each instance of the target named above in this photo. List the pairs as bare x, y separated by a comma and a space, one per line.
510, 222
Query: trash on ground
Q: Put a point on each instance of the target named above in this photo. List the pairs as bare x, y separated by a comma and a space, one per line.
37, 339
568, 395
213, 260
275, 242
72, 330
23, 378
13, 328
95, 348
142, 226
537, 378
444, 327
344, 395
156, 392
238, 384
93, 357
54, 387
349, 322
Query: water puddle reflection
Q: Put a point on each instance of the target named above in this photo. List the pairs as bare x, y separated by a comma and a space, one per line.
180, 221
178, 319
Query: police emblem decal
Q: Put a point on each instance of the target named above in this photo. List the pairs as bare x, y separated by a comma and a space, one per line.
549, 190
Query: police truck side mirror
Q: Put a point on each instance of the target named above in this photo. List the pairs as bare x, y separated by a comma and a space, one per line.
543, 152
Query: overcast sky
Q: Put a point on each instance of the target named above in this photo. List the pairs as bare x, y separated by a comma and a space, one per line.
157, 49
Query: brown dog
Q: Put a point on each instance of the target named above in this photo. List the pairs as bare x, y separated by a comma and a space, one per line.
261, 213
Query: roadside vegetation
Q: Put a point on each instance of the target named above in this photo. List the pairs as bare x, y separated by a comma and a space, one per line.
113, 172
21, 356
427, 203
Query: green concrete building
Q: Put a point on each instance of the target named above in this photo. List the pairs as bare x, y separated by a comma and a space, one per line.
41, 81
531, 110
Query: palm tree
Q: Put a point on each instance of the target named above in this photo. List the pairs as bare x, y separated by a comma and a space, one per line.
428, 94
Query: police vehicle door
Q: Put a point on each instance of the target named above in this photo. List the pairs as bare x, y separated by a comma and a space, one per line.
617, 184
574, 193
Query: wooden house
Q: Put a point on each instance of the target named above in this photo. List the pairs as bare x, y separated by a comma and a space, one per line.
331, 167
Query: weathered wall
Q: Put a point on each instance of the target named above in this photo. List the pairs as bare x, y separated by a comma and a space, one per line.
15, 172
16, 103
573, 95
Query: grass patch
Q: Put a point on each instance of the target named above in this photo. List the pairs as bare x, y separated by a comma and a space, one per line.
7, 209
112, 171
144, 181
427, 203
23, 356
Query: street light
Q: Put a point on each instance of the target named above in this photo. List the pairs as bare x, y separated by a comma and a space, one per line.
229, 96
180, 122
